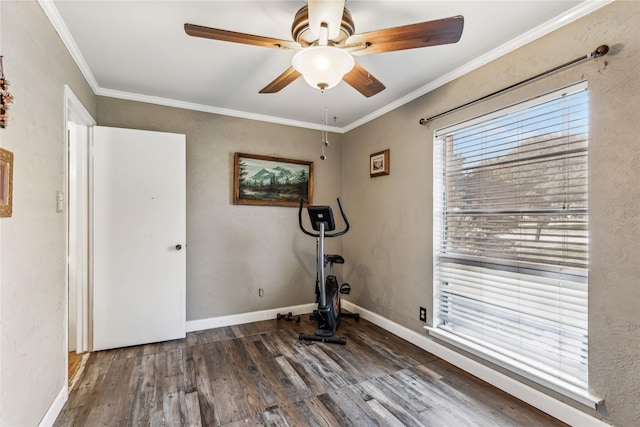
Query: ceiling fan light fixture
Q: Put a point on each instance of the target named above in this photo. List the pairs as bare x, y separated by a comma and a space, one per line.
323, 66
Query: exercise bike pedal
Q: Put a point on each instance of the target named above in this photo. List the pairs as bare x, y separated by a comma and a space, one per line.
345, 289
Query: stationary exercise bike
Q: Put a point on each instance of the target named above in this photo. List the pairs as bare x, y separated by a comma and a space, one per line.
328, 290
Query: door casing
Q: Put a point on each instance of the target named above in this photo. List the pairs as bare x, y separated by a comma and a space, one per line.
78, 121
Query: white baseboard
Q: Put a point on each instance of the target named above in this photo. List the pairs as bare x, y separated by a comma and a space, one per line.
533, 397
238, 319
54, 410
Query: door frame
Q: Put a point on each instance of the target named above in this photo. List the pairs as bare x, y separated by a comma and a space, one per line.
78, 122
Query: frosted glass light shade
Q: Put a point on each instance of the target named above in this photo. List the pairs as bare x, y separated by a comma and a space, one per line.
323, 66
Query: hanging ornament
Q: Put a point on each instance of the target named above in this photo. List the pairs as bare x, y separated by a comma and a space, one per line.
5, 98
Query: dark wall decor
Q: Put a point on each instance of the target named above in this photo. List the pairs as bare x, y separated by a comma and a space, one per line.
5, 98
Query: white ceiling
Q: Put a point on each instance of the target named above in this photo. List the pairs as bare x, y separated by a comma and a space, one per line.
138, 50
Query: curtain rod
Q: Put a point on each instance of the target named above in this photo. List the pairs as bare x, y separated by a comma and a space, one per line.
598, 52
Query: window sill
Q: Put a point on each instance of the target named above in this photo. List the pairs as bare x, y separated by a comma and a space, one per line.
574, 393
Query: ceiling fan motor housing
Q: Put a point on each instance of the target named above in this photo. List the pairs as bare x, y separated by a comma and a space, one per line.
300, 28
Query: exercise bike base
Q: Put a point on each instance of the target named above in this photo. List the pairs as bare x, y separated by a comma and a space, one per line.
350, 315
330, 340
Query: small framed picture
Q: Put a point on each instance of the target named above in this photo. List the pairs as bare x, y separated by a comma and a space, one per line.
6, 183
379, 163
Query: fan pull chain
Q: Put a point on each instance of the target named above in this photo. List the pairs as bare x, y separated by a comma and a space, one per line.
324, 134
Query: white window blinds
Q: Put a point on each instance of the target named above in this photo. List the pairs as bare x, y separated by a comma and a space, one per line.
511, 237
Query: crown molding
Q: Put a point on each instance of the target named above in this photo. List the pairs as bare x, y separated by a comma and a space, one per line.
61, 28
167, 102
571, 15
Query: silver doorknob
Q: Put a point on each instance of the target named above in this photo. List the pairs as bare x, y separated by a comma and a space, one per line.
178, 247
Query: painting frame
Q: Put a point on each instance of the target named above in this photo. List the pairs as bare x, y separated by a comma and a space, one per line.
379, 163
294, 180
6, 183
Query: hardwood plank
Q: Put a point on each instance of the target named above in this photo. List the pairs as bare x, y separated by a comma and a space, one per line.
145, 393
189, 372
297, 385
344, 411
113, 397
315, 413
243, 373
285, 382
290, 415
402, 406
386, 417
381, 403
192, 413
171, 411
304, 366
325, 367
206, 396
351, 358
372, 343
173, 397
156, 410
264, 374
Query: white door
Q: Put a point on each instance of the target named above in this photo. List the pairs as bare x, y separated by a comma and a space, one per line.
138, 213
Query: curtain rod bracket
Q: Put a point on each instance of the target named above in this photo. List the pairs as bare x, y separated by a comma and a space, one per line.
597, 53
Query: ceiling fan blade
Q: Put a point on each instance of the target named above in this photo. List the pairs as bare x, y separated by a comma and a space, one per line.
362, 81
423, 34
282, 81
234, 37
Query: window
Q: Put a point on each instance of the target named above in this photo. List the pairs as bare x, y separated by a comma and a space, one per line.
511, 238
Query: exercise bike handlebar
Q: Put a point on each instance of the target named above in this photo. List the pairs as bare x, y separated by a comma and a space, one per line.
339, 233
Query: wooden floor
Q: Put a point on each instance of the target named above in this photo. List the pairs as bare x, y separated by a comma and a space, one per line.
260, 374
75, 361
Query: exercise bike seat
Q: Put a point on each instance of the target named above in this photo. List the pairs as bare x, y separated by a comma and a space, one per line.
335, 259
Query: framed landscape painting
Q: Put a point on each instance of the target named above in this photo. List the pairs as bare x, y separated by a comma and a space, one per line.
271, 181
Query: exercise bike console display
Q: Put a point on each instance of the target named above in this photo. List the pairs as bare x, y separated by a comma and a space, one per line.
328, 290
321, 215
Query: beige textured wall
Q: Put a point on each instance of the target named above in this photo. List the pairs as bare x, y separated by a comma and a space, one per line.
391, 244
32, 255
232, 250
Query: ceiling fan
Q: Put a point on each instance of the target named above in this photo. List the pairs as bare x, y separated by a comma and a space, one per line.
323, 34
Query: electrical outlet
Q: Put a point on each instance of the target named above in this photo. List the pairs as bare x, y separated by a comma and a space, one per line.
260, 292
423, 314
